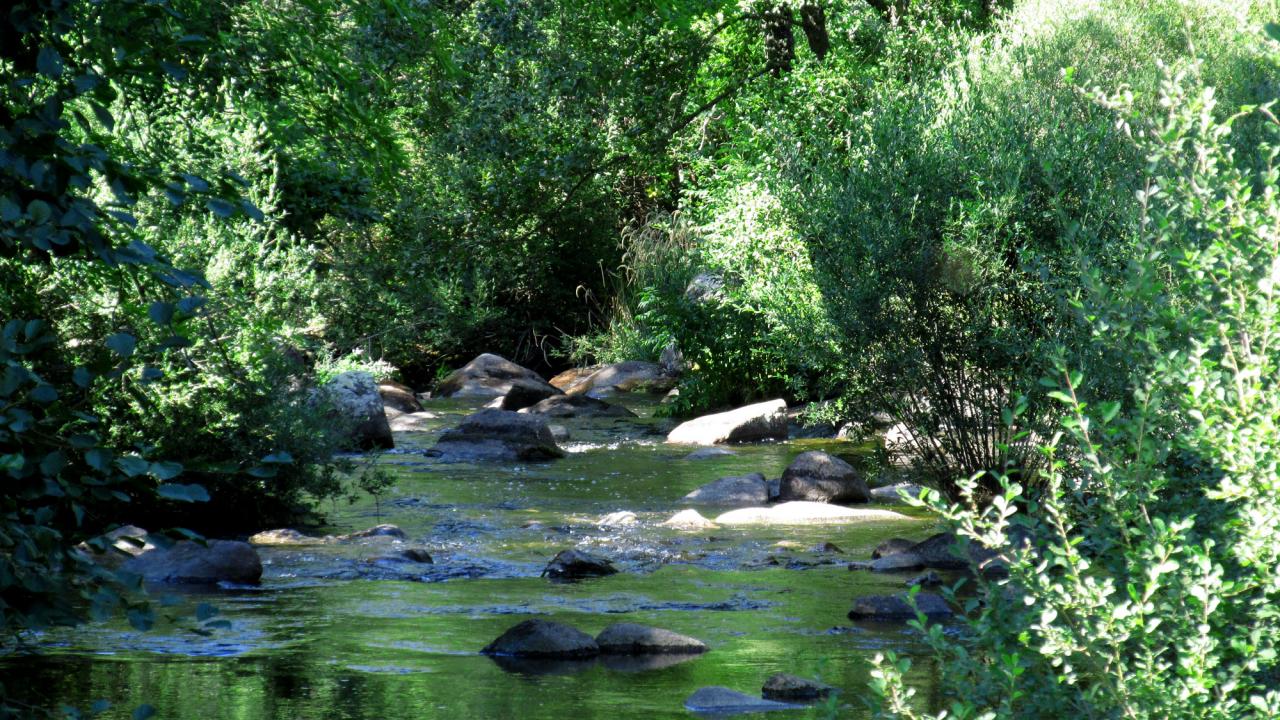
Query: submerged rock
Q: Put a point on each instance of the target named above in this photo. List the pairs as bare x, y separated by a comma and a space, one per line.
762, 421
543, 639
782, 686
722, 700
805, 513
567, 406
192, 563
895, 608
498, 435
635, 639
707, 453
819, 477
488, 375
576, 564
689, 520
396, 396
734, 491
355, 397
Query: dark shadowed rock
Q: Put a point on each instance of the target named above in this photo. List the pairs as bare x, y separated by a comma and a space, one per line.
355, 397
892, 546
926, 579
718, 700
486, 376
816, 476
499, 435
193, 563
575, 564
630, 376
762, 421
399, 397
895, 608
543, 639
735, 491
417, 555
524, 393
567, 406
784, 687
635, 639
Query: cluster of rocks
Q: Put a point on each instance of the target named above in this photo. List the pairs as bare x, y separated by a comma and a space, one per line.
782, 691
545, 639
942, 551
131, 549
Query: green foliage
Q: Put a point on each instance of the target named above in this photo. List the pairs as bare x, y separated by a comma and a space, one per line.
1150, 585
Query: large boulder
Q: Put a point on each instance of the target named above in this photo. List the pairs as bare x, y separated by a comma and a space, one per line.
635, 639
816, 476
486, 376
577, 564
524, 393
630, 376
805, 513
896, 608
498, 435
717, 700
355, 397
734, 491
543, 639
400, 397
567, 406
762, 421
190, 562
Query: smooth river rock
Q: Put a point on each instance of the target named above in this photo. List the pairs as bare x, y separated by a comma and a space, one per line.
498, 435
817, 476
895, 608
718, 700
630, 376
524, 393
762, 421
567, 406
784, 687
735, 491
577, 564
488, 375
689, 520
636, 639
805, 513
192, 563
543, 639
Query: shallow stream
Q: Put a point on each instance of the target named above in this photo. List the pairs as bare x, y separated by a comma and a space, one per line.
353, 631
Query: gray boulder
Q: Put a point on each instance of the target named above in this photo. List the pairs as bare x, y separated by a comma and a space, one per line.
487, 375
762, 421
635, 639
524, 393
895, 608
630, 376
717, 700
192, 563
498, 435
735, 491
567, 406
355, 397
816, 476
577, 564
543, 639
399, 397
894, 493
784, 687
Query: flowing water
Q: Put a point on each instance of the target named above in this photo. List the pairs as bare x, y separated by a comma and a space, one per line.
354, 631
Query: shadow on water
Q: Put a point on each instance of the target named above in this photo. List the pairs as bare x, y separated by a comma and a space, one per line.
355, 631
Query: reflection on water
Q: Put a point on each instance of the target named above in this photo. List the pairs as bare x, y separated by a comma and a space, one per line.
355, 631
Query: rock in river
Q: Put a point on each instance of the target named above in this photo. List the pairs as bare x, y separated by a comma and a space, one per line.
524, 393
782, 686
635, 639
819, 477
398, 397
355, 398
498, 435
193, 563
575, 564
285, 536
718, 700
630, 376
894, 493
486, 376
892, 546
566, 406
543, 639
734, 491
707, 453
762, 421
805, 513
689, 520
895, 608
